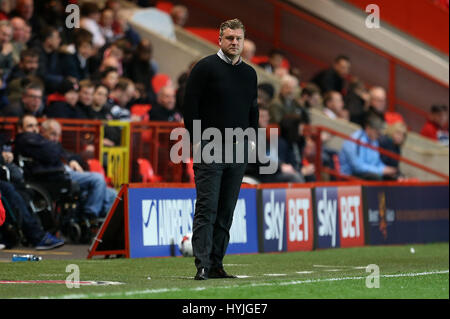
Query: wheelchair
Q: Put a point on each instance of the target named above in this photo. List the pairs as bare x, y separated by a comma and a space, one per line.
55, 198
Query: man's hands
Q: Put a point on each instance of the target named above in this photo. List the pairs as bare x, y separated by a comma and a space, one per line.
75, 166
390, 171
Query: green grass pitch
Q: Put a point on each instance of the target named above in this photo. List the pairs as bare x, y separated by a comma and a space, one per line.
331, 273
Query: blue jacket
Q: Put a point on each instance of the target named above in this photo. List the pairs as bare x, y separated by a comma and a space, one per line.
357, 159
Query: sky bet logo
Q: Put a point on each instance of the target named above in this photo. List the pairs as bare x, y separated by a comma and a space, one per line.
274, 225
339, 217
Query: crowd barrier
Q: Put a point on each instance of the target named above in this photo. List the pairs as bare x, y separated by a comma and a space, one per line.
149, 220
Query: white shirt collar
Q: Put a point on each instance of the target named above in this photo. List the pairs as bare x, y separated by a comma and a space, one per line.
227, 59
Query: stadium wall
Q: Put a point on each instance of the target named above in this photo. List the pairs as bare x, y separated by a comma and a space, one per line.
149, 220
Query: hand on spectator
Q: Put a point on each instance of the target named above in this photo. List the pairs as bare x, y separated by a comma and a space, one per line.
389, 171
75, 166
288, 168
308, 170
8, 157
108, 142
7, 48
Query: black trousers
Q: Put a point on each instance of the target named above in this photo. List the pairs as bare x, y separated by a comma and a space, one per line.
217, 186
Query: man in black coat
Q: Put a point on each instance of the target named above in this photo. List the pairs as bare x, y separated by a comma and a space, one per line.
334, 78
222, 93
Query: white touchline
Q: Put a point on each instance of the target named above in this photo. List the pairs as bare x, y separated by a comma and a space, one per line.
296, 282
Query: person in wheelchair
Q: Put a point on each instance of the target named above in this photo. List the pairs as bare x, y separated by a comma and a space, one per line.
20, 220
48, 154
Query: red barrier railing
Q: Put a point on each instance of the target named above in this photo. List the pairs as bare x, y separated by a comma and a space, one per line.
316, 131
276, 40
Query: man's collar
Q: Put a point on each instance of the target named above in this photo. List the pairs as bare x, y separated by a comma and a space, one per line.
227, 59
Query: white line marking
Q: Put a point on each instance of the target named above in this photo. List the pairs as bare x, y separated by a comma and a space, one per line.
275, 275
304, 272
333, 269
298, 282
243, 276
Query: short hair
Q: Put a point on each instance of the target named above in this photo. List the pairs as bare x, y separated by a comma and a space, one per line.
231, 24
29, 53
276, 52
373, 121
328, 96
34, 85
89, 8
21, 118
47, 32
310, 89
438, 108
108, 70
341, 57
83, 36
86, 84
123, 84
48, 122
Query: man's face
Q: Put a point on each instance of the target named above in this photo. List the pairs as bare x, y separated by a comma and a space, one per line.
276, 60
86, 95
18, 25
5, 34
85, 50
372, 133
232, 42
53, 133
264, 118
378, 100
167, 98
336, 104
30, 125
29, 64
441, 118
32, 100
100, 96
111, 80
54, 40
71, 97
342, 67
25, 8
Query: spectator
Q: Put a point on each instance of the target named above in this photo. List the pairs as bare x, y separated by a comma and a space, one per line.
266, 92
334, 78
21, 73
28, 222
19, 38
120, 96
334, 106
6, 48
286, 102
436, 127
106, 25
30, 103
275, 60
164, 109
86, 97
77, 65
47, 152
361, 161
67, 108
110, 78
393, 140
118, 49
140, 70
290, 148
310, 97
125, 31
248, 52
50, 63
180, 15
357, 101
25, 10
5, 9
377, 105
90, 18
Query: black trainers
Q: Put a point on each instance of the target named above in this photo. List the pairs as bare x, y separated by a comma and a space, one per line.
219, 273
202, 274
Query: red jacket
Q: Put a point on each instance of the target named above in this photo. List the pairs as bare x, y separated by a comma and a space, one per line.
435, 132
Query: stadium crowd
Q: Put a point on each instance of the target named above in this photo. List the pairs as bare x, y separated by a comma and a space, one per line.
104, 68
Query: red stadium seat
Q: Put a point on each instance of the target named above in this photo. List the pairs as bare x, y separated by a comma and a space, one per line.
164, 6
55, 97
141, 110
96, 166
146, 171
160, 80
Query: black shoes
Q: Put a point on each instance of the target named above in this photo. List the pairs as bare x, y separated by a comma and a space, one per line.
219, 273
202, 274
